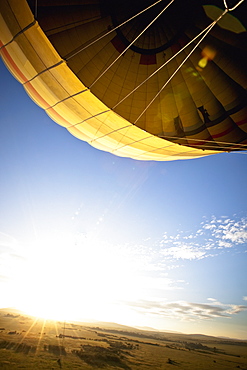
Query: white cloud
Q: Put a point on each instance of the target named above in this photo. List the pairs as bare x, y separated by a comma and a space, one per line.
209, 226
224, 244
214, 235
140, 270
186, 252
232, 231
187, 310
235, 235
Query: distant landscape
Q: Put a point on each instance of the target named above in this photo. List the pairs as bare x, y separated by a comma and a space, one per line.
30, 343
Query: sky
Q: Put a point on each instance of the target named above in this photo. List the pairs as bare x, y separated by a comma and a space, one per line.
91, 236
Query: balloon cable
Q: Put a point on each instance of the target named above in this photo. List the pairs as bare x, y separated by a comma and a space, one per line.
174, 56
237, 146
203, 33
132, 42
208, 29
162, 66
150, 76
231, 9
112, 30
220, 144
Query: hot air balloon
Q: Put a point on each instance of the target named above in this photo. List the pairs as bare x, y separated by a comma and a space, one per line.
145, 79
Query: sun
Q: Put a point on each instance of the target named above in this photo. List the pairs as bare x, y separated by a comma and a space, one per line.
68, 278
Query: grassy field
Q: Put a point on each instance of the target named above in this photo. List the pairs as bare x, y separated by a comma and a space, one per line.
30, 343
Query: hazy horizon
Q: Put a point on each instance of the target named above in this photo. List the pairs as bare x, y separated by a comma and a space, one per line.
106, 324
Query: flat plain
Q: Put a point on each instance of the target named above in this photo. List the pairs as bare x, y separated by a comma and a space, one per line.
30, 343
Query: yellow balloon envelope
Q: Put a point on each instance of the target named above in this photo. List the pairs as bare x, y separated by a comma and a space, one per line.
153, 88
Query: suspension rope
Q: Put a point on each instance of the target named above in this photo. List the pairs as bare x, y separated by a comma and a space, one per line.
150, 76
231, 9
119, 56
91, 117
207, 29
19, 33
162, 66
204, 141
166, 137
213, 147
182, 63
112, 30
70, 25
45, 70
205, 147
203, 33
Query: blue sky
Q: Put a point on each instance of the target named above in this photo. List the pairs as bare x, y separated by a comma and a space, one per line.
85, 234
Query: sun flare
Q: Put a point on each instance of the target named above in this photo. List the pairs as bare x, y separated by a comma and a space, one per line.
74, 278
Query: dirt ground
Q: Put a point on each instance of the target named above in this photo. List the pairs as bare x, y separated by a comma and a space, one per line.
30, 343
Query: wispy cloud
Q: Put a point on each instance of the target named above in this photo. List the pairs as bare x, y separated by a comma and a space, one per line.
183, 310
131, 271
184, 251
213, 237
230, 230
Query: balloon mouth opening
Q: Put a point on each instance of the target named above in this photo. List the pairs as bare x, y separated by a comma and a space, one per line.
160, 35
